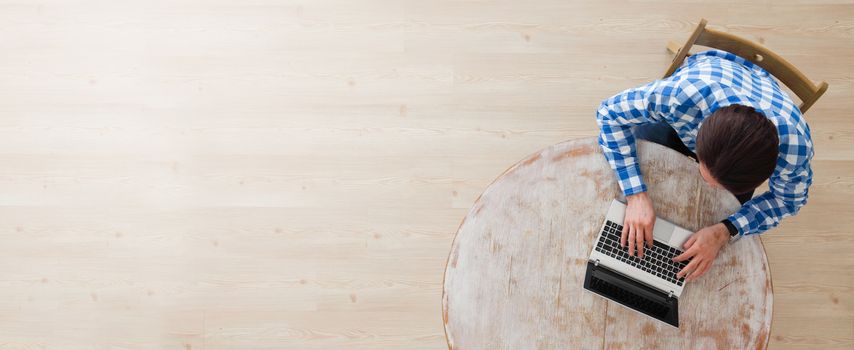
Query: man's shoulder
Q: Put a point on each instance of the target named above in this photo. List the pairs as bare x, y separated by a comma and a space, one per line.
796, 146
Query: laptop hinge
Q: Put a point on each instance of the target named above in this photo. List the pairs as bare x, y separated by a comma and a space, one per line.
660, 289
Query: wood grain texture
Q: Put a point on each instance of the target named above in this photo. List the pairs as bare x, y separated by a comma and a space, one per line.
516, 269
266, 174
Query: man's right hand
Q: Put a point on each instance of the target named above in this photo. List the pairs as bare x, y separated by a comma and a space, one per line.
638, 223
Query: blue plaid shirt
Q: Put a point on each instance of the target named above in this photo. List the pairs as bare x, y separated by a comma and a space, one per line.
705, 82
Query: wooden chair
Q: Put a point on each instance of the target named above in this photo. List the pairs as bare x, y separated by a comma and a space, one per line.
804, 88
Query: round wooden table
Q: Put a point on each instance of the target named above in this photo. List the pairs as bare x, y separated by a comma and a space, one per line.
514, 275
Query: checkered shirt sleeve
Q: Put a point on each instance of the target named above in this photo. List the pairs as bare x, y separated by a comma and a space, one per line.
788, 189
618, 114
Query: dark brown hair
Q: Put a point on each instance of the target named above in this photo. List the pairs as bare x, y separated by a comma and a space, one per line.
739, 147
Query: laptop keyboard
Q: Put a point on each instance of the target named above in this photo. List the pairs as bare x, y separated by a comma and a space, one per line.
656, 261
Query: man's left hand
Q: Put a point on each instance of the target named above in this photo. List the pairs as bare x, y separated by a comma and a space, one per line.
703, 246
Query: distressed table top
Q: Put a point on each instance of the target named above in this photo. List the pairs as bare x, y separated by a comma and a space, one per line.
515, 272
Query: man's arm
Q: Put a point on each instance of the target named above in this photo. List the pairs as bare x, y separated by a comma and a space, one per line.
789, 187
615, 117
788, 193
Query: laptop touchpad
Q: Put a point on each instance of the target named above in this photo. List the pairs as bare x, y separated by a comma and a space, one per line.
662, 231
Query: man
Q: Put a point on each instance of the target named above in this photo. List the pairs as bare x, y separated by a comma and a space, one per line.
732, 117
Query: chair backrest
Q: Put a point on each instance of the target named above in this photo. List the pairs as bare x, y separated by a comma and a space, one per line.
804, 88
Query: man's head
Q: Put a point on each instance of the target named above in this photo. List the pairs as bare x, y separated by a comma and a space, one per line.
737, 148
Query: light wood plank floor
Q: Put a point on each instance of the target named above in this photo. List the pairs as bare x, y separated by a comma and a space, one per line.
289, 174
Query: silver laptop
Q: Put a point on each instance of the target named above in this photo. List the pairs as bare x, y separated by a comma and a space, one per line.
647, 285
